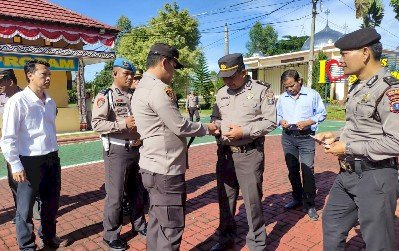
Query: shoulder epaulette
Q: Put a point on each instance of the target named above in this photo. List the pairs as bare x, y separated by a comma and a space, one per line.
262, 83
391, 80
105, 91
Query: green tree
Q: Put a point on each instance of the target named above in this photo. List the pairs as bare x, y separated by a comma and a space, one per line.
371, 11
124, 25
290, 44
395, 6
172, 26
102, 79
263, 39
202, 80
319, 87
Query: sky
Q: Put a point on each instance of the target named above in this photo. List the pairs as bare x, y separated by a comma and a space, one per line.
288, 17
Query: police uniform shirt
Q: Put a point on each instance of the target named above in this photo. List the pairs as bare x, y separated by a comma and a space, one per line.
108, 114
365, 136
28, 127
192, 101
162, 128
252, 107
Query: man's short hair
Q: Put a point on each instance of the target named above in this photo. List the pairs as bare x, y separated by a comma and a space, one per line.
376, 50
30, 66
153, 60
290, 74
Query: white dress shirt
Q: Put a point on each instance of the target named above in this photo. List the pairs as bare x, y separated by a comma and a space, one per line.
28, 127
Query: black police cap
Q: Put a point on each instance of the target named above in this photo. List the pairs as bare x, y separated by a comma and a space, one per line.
358, 39
7, 73
230, 64
167, 51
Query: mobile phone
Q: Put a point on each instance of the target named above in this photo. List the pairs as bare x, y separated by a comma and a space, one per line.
320, 141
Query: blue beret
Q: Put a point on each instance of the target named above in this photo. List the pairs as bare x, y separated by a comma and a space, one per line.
124, 64
358, 39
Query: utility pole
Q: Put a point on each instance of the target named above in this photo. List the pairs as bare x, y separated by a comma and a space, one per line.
226, 39
311, 53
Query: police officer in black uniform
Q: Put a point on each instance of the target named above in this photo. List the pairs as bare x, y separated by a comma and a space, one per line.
367, 149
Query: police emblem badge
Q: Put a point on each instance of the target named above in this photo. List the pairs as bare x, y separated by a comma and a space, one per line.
100, 102
393, 96
169, 91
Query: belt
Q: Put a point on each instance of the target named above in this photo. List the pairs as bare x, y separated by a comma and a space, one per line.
360, 166
123, 142
245, 148
297, 133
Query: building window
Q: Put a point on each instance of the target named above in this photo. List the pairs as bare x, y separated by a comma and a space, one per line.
17, 39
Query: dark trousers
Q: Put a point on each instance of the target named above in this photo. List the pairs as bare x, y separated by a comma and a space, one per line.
299, 154
245, 171
43, 177
167, 210
121, 163
13, 187
371, 199
194, 111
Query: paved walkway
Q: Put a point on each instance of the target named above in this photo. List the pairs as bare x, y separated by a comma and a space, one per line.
82, 196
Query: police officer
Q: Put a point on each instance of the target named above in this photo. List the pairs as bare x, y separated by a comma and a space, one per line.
192, 106
367, 149
127, 207
299, 111
112, 117
163, 154
136, 79
246, 114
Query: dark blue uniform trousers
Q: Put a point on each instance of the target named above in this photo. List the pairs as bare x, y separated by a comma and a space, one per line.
167, 210
43, 177
299, 154
120, 163
245, 171
370, 199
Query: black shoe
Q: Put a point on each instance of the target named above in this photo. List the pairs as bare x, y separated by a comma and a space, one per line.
54, 243
293, 204
116, 245
143, 232
312, 213
222, 247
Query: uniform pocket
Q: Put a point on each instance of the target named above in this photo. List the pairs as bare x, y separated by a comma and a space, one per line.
148, 180
364, 110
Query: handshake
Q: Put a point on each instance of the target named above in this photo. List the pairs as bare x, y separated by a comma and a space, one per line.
213, 129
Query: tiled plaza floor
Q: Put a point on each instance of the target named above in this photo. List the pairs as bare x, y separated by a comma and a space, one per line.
82, 197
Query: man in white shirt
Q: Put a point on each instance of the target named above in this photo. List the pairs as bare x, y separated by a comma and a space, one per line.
8, 87
29, 144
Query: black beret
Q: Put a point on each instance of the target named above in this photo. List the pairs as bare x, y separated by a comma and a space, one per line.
230, 64
167, 51
358, 39
9, 73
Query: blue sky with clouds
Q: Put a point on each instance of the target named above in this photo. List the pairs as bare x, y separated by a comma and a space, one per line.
240, 15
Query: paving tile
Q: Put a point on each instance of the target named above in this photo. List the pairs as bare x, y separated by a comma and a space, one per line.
82, 202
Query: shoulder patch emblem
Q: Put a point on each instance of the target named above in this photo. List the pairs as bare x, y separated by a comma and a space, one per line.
393, 96
100, 102
169, 91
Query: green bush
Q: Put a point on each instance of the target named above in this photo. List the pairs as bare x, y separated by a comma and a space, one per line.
336, 112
